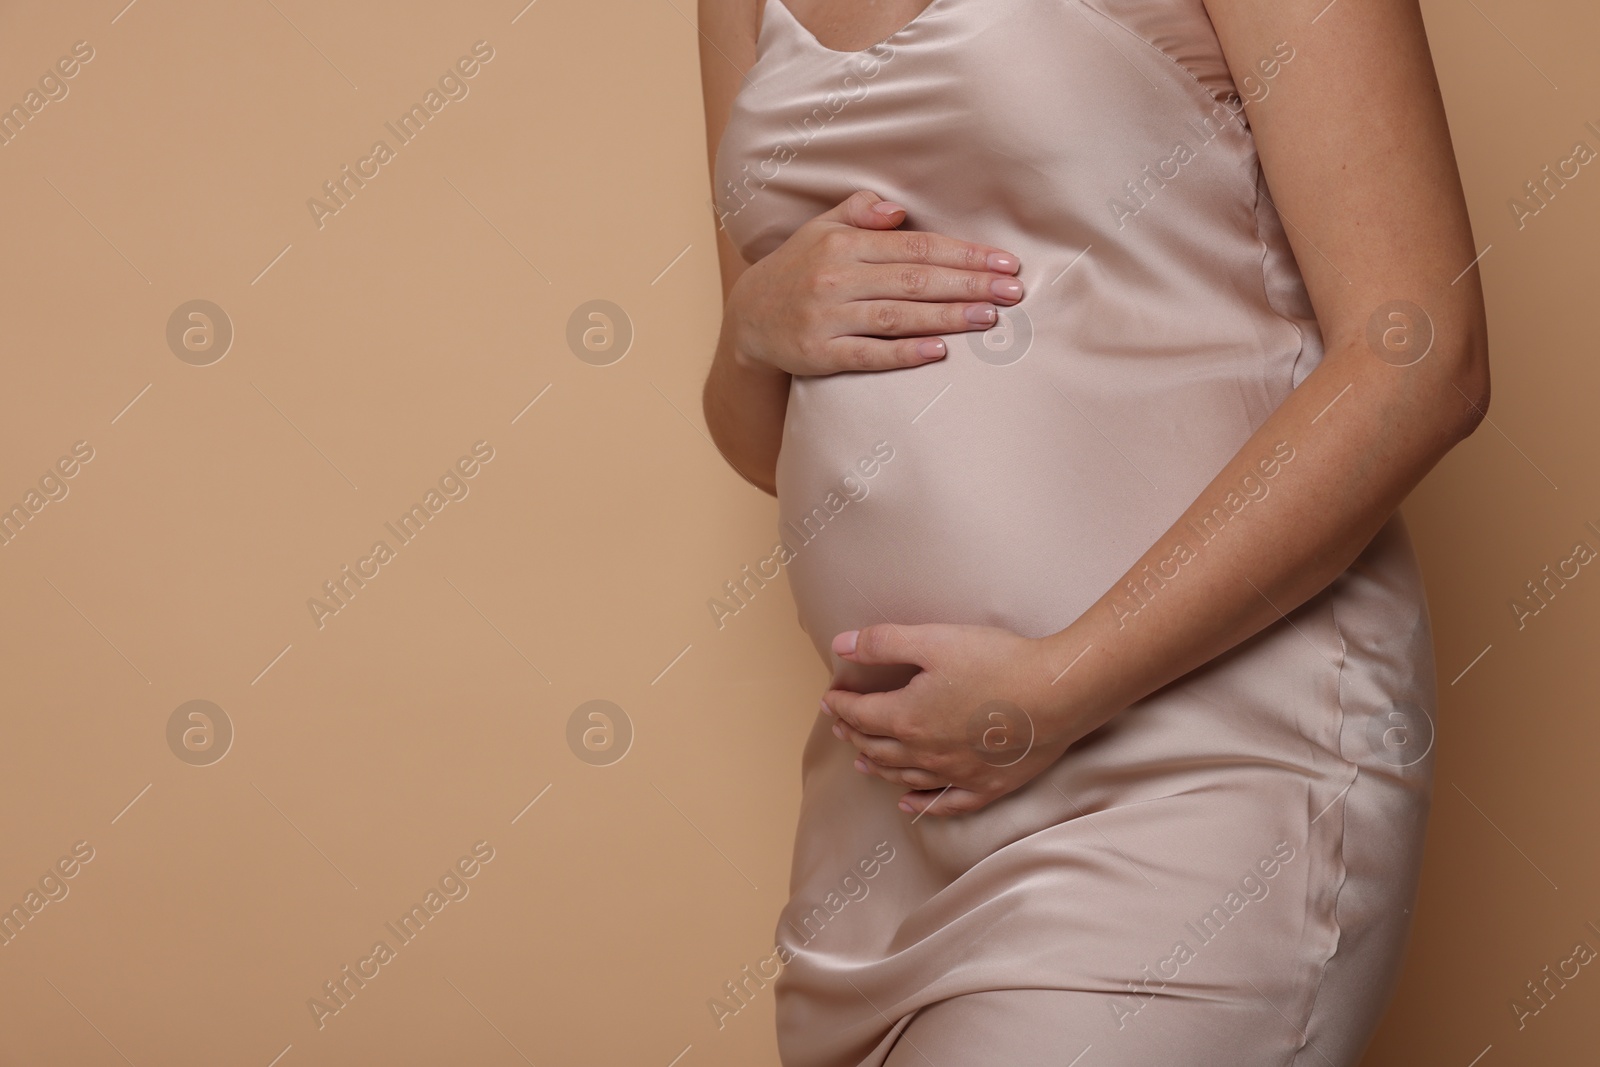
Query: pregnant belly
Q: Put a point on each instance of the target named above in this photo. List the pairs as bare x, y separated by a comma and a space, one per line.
967, 492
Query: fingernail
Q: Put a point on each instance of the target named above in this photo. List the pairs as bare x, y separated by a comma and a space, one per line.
887, 207
1001, 263
930, 349
838, 731
861, 765
906, 807
845, 643
1006, 289
825, 709
982, 313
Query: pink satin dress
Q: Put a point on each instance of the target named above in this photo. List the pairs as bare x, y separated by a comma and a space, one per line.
1223, 874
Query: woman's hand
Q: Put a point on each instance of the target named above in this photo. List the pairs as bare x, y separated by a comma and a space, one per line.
980, 718
849, 292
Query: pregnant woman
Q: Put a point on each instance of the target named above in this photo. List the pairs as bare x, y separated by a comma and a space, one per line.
1089, 348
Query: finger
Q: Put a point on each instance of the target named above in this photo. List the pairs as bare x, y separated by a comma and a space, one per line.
882, 750
853, 353
867, 210
914, 317
867, 713
947, 801
886, 642
916, 281
913, 777
936, 250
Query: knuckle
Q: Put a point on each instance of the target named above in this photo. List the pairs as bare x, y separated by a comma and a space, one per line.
834, 243
857, 356
916, 246
824, 280
817, 352
886, 317
915, 280
907, 728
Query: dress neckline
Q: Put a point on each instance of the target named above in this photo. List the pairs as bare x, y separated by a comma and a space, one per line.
811, 38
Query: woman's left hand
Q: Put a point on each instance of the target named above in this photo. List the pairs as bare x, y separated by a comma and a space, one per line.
981, 718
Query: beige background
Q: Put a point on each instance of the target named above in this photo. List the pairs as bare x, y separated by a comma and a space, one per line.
432, 710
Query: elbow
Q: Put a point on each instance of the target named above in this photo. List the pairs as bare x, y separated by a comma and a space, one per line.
708, 410
721, 442
758, 479
1470, 379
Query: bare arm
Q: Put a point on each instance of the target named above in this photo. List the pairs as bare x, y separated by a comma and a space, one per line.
743, 401
1358, 157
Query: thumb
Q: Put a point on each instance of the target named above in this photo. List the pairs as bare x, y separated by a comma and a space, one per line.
866, 210
883, 643
947, 801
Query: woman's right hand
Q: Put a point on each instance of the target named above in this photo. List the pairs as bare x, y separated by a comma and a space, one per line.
849, 292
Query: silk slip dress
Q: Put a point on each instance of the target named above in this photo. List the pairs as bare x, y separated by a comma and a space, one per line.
1223, 874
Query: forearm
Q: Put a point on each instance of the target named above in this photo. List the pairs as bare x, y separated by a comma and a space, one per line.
744, 403
1359, 433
